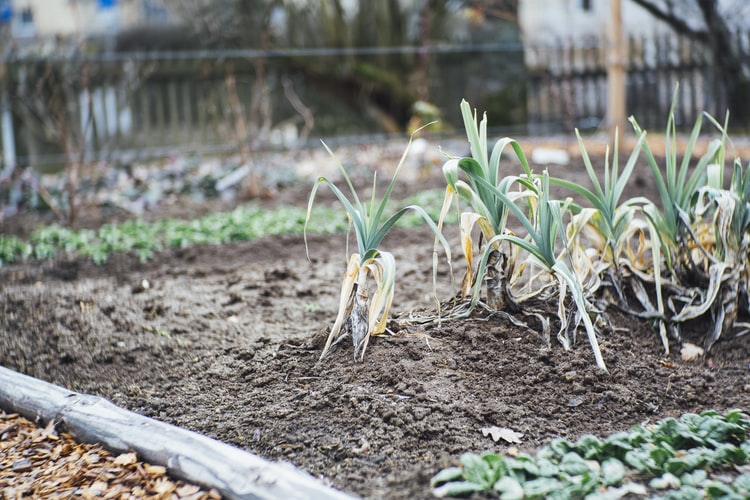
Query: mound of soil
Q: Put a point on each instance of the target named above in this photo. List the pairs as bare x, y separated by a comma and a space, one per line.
225, 340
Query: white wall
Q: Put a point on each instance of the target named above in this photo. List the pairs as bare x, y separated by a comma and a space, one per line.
549, 21
79, 17
50, 17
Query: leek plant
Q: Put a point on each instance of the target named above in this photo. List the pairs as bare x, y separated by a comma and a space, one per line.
608, 226
363, 312
486, 210
677, 189
726, 247
693, 275
544, 226
607, 241
491, 198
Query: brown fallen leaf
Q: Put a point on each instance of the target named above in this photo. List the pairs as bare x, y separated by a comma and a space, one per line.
690, 352
100, 486
91, 458
155, 470
22, 465
188, 489
164, 486
126, 459
503, 433
50, 432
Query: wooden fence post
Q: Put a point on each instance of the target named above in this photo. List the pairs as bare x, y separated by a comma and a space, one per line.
8, 136
615, 71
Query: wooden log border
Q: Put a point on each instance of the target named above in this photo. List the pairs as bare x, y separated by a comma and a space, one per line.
190, 456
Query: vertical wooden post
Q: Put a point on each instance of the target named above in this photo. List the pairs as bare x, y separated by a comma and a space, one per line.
615, 71
8, 137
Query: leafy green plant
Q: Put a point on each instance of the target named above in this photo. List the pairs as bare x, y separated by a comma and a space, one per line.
147, 238
363, 313
492, 200
12, 248
544, 229
487, 211
608, 226
673, 454
672, 226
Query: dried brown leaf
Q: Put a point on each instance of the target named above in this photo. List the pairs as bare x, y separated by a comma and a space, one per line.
187, 489
91, 458
507, 435
164, 486
100, 486
155, 470
126, 459
690, 352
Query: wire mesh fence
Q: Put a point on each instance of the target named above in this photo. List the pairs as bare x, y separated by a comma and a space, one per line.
118, 106
148, 104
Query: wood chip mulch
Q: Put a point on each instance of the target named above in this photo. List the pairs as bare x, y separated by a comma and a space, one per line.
42, 463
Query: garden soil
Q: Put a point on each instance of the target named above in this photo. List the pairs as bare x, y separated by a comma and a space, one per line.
225, 340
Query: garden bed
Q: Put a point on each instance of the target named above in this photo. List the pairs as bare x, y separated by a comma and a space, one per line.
225, 340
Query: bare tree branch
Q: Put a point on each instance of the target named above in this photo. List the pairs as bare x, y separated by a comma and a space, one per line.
717, 34
668, 15
721, 36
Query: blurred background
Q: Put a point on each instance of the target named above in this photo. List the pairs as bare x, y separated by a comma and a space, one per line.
85, 81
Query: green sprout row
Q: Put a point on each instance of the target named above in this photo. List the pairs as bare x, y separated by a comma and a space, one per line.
146, 239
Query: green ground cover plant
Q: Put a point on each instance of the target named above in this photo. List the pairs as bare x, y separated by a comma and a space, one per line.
147, 238
672, 458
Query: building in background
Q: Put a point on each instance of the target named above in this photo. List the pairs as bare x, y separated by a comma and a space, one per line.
29, 20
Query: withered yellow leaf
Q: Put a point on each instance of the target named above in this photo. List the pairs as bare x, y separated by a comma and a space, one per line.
155, 469
126, 459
